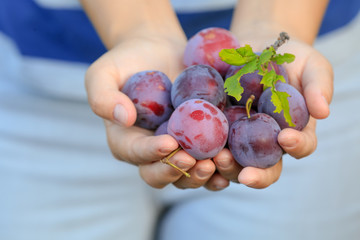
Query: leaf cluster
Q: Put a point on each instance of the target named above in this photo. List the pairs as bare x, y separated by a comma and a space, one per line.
252, 62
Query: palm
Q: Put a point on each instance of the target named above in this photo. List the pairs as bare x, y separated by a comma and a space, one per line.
123, 61
138, 54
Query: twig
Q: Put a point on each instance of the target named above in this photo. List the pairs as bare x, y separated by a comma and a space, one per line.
281, 40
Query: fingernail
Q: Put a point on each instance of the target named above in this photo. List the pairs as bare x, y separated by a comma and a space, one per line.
120, 114
183, 164
289, 143
224, 163
165, 150
325, 101
217, 187
202, 174
251, 184
221, 185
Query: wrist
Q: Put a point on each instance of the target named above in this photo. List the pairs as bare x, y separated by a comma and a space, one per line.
258, 19
151, 32
118, 20
257, 34
262, 34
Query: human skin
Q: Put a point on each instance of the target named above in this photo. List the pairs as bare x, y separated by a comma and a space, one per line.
311, 73
153, 39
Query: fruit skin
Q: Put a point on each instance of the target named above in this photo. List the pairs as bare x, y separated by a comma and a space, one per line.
298, 109
162, 129
199, 82
205, 45
150, 93
199, 127
280, 70
233, 113
253, 141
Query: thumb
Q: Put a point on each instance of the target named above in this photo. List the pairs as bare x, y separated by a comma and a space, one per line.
317, 80
102, 83
137, 145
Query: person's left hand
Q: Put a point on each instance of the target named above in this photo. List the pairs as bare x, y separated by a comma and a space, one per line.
312, 75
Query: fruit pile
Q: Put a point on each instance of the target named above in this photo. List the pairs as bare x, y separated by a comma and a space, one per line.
227, 95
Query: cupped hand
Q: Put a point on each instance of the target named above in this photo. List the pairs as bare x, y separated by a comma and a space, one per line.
312, 74
104, 80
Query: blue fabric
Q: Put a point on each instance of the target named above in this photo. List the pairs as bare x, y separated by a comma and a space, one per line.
338, 14
68, 34
50, 33
194, 22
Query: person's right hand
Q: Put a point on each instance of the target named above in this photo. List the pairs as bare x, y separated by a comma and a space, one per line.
104, 80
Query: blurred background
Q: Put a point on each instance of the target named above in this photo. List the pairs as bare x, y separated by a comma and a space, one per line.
58, 179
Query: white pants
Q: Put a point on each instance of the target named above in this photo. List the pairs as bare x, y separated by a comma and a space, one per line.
316, 198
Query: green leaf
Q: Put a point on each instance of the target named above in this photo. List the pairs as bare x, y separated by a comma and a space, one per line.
238, 56
262, 71
232, 86
266, 55
281, 103
246, 51
250, 67
280, 59
232, 57
269, 78
280, 78
252, 62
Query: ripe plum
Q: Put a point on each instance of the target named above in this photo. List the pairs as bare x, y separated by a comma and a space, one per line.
298, 110
236, 112
204, 48
253, 141
150, 93
162, 129
199, 127
199, 82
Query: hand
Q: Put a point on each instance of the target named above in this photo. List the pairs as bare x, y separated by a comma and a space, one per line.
133, 144
312, 75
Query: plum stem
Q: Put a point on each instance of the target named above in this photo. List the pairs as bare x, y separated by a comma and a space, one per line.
281, 40
166, 161
249, 104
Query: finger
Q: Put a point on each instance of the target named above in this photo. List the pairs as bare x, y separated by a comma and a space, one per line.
299, 144
226, 165
102, 83
317, 83
158, 174
137, 145
200, 174
260, 178
217, 182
